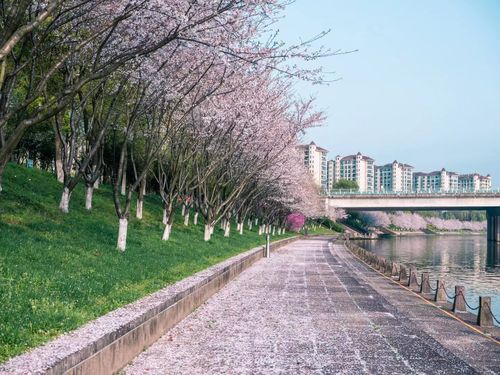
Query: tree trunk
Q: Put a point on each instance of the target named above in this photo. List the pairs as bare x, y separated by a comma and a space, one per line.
139, 206
64, 203
89, 193
260, 230
58, 155
195, 219
183, 210
140, 200
97, 182
186, 218
164, 221
208, 232
124, 174
241, 227
250, 224
166, 232
124, 183
227, 228
256, 221
122, 234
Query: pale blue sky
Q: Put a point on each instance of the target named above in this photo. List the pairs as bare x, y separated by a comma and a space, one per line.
424, 87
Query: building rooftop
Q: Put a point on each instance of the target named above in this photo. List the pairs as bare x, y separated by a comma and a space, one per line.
350, 157
472, 175
395, 162
313, 144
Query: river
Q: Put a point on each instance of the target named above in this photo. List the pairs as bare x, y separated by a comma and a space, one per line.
467, 260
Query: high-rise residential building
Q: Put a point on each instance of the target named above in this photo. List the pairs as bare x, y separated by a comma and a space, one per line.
394, 176
442, 180
315, 161
474, 182
333, 175
358, 168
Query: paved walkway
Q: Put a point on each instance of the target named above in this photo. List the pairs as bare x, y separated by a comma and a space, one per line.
314, 309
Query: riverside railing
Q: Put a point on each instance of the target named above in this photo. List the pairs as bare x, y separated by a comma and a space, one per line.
420, 193
408, 277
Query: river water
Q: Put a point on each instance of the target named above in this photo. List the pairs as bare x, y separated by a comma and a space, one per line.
467, 260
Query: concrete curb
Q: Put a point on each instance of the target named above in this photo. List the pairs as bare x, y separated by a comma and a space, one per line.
107, 344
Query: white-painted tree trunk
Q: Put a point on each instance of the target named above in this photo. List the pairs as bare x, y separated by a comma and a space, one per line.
256, 221
64, 203
97, 182
223, 224
274, 230
166, 232
208, 232
212, 227
139, 208
122, 234
227, 228
186, 218
164, 221
241, 227
89, 192
250, 224
183, 210
195, 219
260, 230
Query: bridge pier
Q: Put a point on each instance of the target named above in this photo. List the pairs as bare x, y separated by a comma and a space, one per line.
493, 229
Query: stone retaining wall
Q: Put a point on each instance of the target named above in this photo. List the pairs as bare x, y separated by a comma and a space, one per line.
108, 343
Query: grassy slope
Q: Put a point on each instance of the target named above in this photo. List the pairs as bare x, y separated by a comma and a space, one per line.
59, 271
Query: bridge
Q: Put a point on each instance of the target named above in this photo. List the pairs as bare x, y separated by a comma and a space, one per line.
488, 201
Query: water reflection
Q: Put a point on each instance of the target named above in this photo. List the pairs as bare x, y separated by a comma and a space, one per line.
470, 261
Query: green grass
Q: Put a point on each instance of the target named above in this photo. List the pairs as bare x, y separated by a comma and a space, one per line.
320, 230
59, 271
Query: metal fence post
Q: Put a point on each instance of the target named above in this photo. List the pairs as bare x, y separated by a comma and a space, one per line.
267, 254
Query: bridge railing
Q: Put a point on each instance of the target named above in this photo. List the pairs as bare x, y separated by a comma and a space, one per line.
426, 193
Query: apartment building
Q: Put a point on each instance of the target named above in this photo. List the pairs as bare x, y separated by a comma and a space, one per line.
315, 162
395, 176
474, 182
358, 168
442, 180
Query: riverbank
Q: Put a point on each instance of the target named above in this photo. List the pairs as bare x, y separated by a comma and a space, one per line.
470, 261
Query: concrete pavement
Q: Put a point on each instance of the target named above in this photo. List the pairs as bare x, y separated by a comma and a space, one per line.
312, 308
